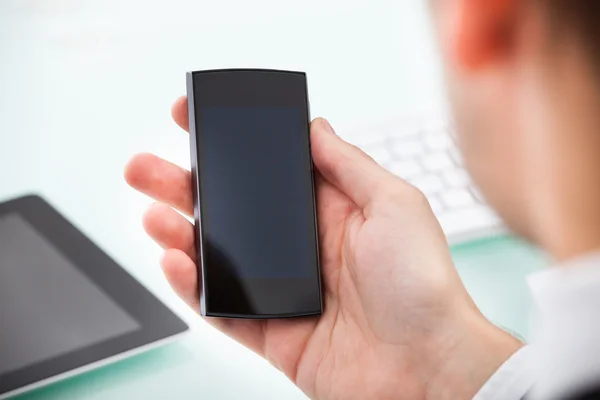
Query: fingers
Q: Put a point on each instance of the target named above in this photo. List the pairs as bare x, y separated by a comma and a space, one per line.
179, 111
345, 166
182, 275
170, 229
161, 180
341, 163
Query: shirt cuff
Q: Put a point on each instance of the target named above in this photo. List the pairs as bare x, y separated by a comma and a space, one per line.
512, 380
567, 299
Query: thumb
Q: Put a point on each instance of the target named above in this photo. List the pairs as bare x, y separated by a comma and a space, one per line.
346, 166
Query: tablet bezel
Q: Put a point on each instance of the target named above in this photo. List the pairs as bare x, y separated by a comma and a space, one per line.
157, 322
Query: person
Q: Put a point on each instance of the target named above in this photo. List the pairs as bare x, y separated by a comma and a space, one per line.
524, 84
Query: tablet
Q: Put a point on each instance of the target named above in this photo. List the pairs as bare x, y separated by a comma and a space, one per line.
65, 306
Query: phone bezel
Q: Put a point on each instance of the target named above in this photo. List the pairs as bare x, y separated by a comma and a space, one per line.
227, 295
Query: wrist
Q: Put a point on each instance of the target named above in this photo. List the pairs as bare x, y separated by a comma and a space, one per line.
472, 355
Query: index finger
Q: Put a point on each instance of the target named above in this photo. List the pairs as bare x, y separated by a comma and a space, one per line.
179, 111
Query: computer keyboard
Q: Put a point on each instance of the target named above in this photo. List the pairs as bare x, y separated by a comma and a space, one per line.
426, 156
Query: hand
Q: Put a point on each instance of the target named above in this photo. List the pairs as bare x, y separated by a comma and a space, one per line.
398, 322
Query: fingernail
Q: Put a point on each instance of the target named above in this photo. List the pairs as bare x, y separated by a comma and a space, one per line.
327, 126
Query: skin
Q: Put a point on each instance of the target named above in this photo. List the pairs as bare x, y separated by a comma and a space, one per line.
377, 236
398, 322
525, 96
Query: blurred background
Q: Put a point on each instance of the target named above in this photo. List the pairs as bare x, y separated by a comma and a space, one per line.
86, 84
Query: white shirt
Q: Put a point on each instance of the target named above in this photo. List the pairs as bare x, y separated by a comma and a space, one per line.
565, 355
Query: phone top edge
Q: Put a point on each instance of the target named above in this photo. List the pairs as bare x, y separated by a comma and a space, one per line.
264, 70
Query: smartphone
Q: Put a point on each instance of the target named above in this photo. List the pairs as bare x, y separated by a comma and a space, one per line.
254, 197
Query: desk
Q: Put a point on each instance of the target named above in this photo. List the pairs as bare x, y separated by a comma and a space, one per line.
86, 84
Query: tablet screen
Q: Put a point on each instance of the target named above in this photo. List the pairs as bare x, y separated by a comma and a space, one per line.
48, 308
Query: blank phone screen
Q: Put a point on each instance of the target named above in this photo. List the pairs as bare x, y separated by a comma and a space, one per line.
257, 195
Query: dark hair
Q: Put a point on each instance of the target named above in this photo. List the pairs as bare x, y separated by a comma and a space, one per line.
581, 17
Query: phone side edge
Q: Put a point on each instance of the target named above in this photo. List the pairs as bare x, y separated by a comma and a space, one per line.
314, 198
198, 242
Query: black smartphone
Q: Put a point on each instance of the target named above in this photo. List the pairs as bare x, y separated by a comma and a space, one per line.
254, 197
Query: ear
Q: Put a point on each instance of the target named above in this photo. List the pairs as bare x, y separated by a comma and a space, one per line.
476, 33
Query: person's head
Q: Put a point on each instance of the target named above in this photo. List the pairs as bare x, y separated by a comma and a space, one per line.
524, 82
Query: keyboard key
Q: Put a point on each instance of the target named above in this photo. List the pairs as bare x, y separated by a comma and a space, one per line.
379, 154
468, 220
456, 156
478, 195
408, 148
458, 198
406, 169
437, 162
456, 178
438, 141
436, 205
428, 184
449, 129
